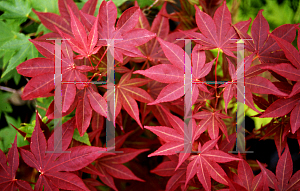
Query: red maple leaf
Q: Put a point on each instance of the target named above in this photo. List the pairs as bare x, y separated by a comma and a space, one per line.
176, 139
245, 180
50, 165
8, 169
127, 92
204, 164
283, 180
169, 168
212, 121
160, 25
111, 164
125, 37
250, 82
282, 107
165, 73
42, 82
63, 22
88, 100
263, 45
81, 43
216, 32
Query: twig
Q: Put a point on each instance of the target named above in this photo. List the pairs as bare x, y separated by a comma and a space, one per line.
8, 89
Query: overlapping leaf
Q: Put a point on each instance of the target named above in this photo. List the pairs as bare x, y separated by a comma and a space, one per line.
160, 25
249, 83
123, 37
169, 168
8, 169
266, 48
284, 180
81, 43
58, 158
127, 92
165, 73
211, 121
216, 32
246, 181
204, 164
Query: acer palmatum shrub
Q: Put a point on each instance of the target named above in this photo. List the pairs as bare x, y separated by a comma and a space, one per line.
149, 91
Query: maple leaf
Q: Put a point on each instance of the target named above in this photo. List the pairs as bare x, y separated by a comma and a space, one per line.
88, 100
42, 81
8, 169
283, 180
82, 44
282, 107
50, 164
216, 32
175, 76
281, 131
111, 164
204, 164
127, 92
162, 110
212, 121
252, 83
246, 181
125, 37
160, 25
264, 45
176, 139
169, 168
63, 22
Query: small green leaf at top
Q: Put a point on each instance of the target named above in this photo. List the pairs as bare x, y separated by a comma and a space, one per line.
84, 139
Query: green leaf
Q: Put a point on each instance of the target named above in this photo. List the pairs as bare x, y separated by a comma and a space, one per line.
28, 128
32, 52
19, 57
15, 43
84, 139
7, 134
43, 103
144, 3
6, 33
17, 78
24, 49
7, 56
14, 25
4, 104
119, 2
276, 14
14, 9
45, 6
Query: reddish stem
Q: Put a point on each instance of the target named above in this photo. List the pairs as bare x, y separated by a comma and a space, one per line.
101, 58
90, 61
